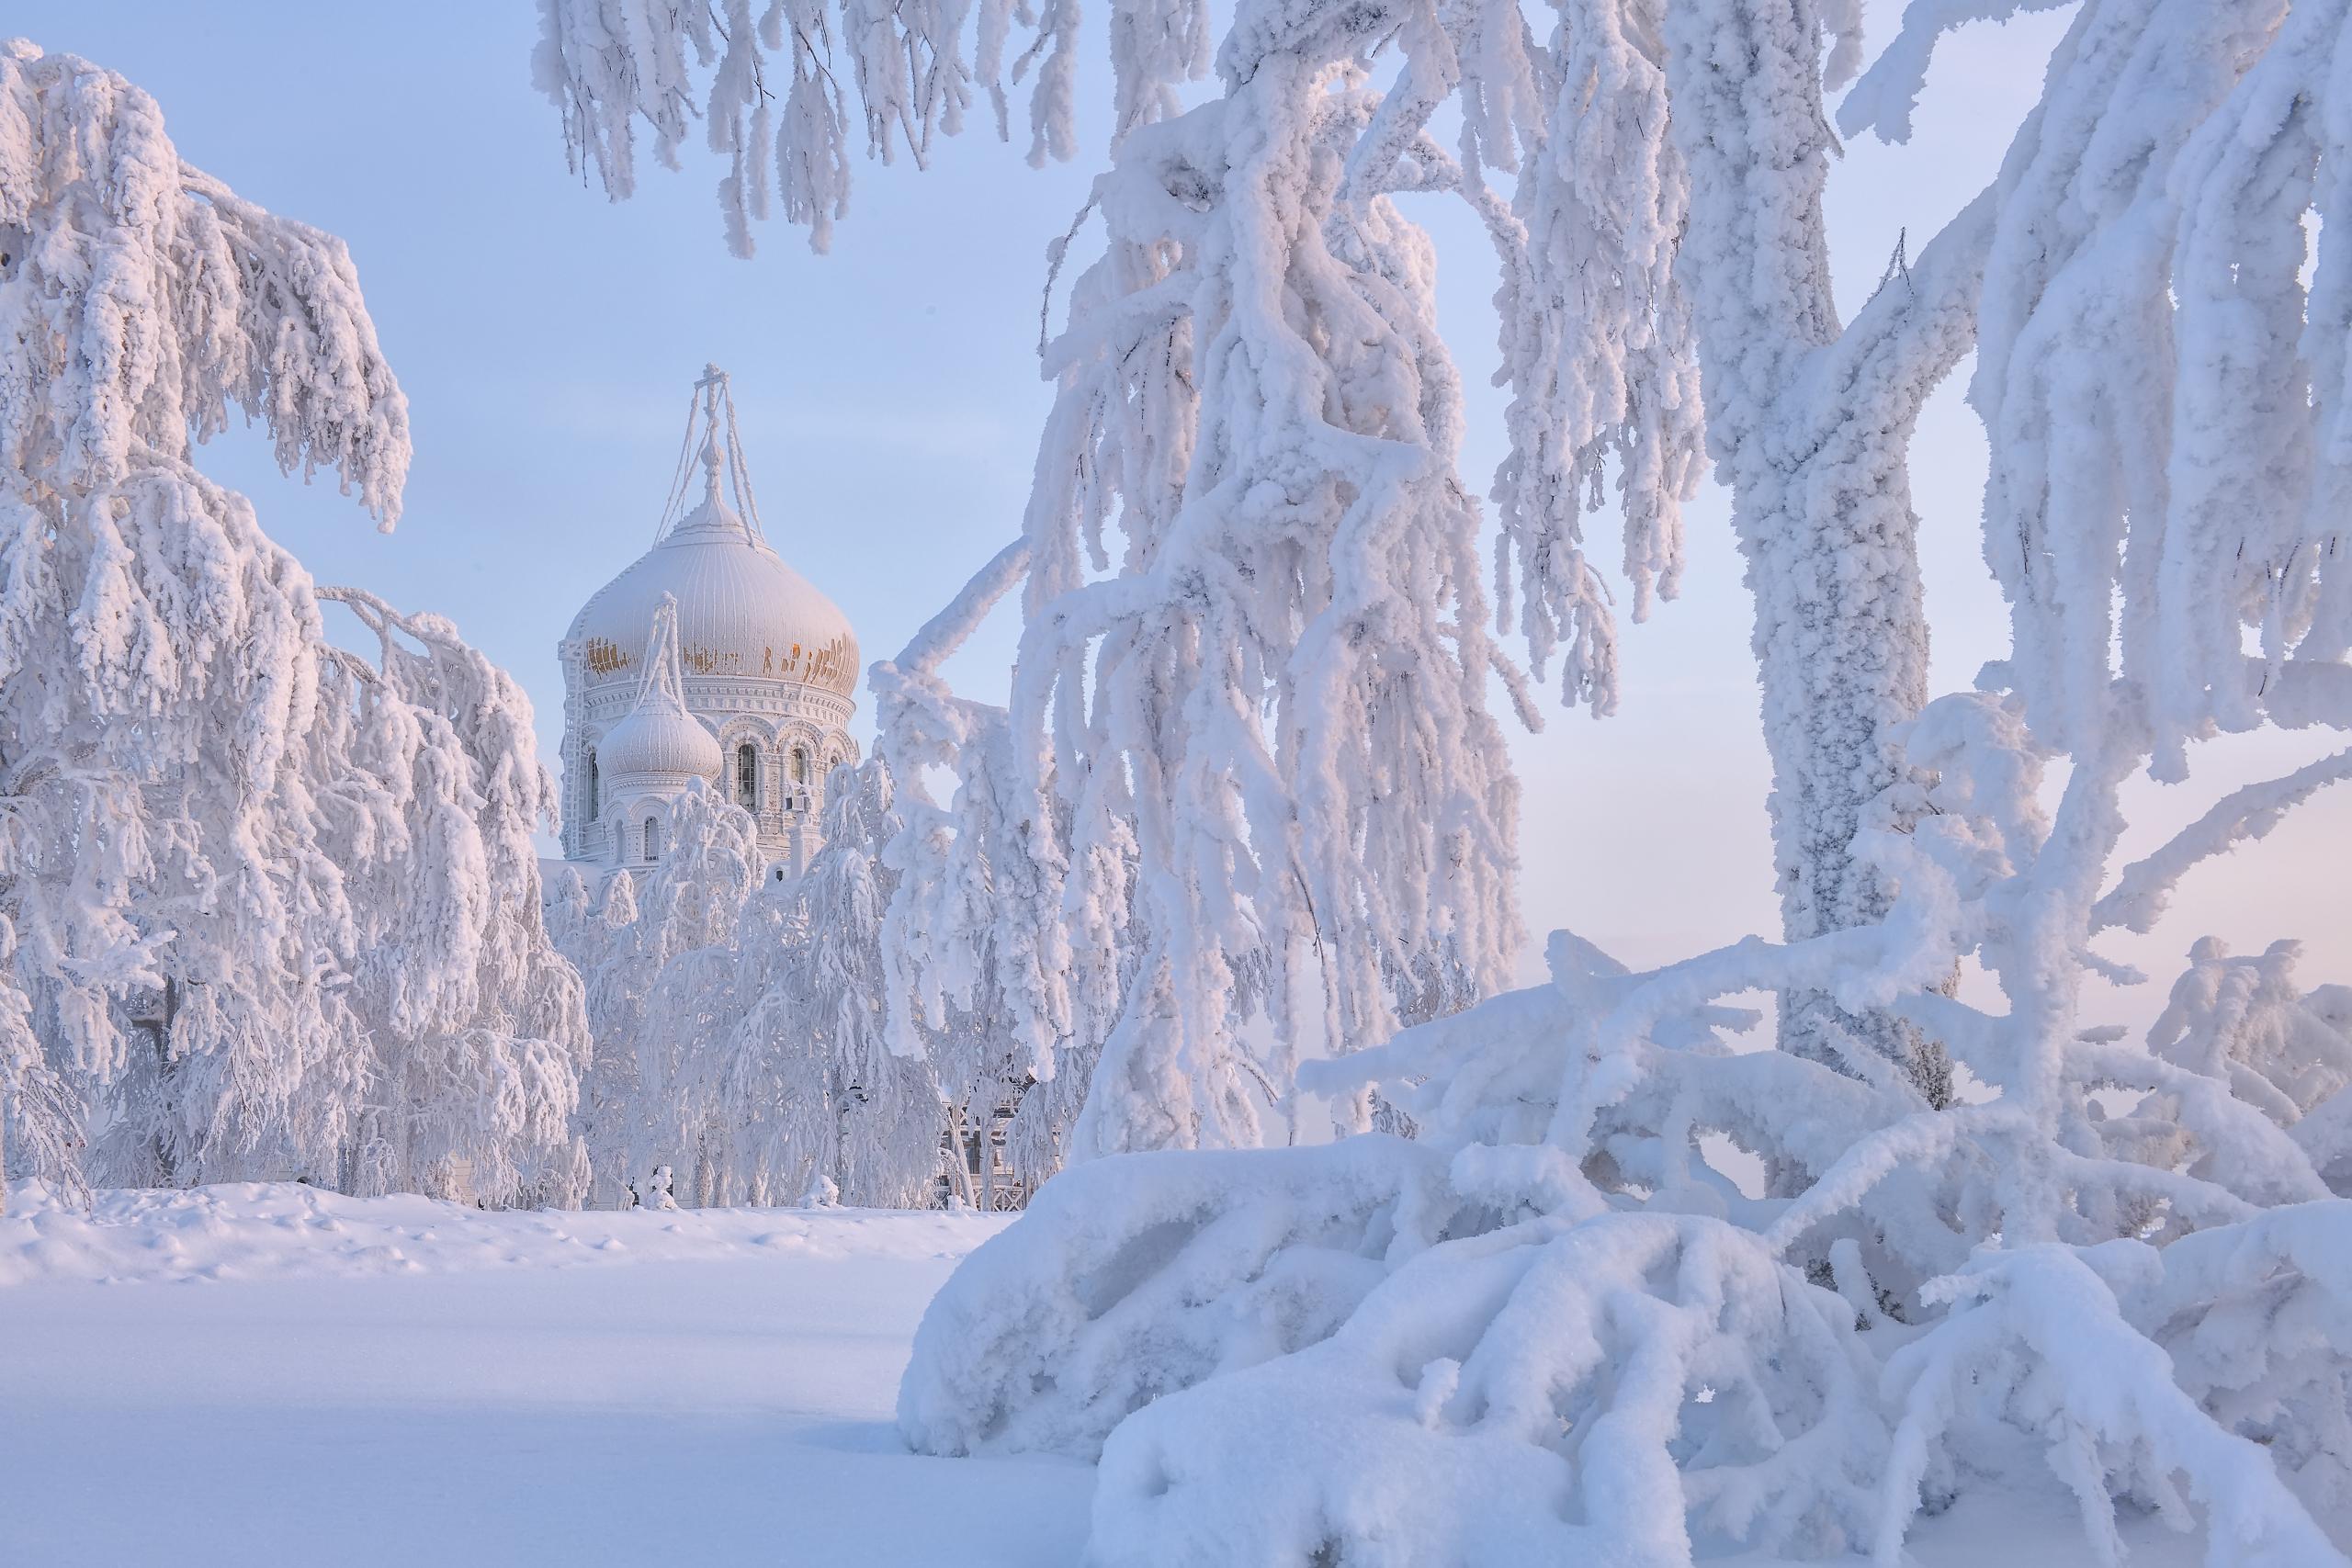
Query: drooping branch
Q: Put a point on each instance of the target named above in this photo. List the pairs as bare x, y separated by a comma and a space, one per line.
615, 67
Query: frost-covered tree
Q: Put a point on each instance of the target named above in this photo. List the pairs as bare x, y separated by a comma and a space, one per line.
1809, 420
474, 1022
601, 948
1708, 119
741, 1022
571, 913
983, 975
151, 636
1635, 1294
270, 907
1671, 205
887, 1113
193, 786
1279, 696
439, 1042
780, 1110
681, 957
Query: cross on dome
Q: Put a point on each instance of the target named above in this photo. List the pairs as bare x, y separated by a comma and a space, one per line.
721, 458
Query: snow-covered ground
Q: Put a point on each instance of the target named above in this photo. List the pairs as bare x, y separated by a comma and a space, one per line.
266, 1376
271, 1374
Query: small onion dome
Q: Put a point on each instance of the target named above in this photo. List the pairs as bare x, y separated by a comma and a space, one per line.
659, 741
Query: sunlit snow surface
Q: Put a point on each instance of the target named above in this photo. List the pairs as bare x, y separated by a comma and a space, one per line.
301, 1378
270, 1374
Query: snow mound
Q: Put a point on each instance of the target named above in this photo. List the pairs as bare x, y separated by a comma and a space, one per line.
1548, 1329
1138, 1275
285, 1230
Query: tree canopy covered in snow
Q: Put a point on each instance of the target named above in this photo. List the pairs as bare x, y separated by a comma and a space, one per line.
273, 909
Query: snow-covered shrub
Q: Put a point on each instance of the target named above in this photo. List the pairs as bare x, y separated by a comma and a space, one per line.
1554, 1390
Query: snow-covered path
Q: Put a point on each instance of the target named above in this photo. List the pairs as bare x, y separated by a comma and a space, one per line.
697, 1388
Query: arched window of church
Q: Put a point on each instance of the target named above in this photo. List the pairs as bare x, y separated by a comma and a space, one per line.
593, 803
800, 764
652, 839
747, 777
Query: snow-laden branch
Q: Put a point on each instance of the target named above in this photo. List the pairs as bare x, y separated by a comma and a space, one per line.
1278, 700
1596, 340
149, 300
2158, 379
1882, 97
2143, 888
772, 81
940, 636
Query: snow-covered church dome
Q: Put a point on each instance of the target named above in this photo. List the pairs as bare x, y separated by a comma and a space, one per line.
741, 610
660, 745
760, 688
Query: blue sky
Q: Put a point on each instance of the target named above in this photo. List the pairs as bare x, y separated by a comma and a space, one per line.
890, 402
